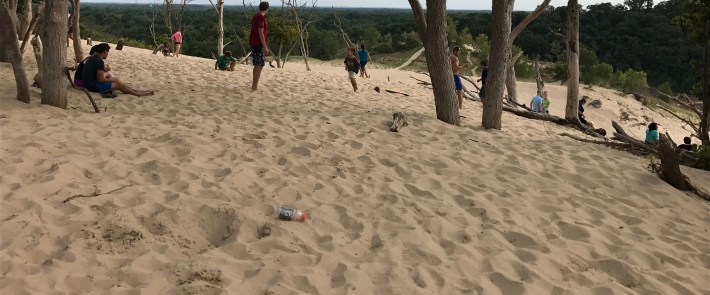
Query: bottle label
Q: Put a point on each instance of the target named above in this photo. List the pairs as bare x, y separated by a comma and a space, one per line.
286, 213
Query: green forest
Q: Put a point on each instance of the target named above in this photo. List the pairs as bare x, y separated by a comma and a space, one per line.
617, 41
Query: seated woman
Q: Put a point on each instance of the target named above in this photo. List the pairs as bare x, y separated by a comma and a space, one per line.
652, 134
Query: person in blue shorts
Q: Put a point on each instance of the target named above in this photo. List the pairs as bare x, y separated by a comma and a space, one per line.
364, 56
96, 80
456, 68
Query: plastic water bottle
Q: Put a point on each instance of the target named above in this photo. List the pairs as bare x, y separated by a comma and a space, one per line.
290, 214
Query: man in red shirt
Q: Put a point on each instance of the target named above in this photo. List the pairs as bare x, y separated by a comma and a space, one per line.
257, 41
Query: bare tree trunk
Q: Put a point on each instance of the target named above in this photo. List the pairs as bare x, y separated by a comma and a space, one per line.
37, 50
4, 47
572, 109
13, 48
54, 36
78, 51
220, 27
705, 118
278, 56
500, 48
26, 18
510, 81
432, 32
670, 169
33, 23
538, 77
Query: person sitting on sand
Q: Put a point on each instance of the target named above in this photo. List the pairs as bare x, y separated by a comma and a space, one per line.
95, 79
536, 103
352, 66
166, 50
652, 134
686, 144
545, 103
79, 73
225, 62
580, 113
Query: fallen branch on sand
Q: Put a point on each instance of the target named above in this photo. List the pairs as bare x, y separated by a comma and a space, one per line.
526, 113
96, 193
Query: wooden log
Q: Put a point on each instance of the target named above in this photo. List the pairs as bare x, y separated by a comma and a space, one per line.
398, 121
537, 116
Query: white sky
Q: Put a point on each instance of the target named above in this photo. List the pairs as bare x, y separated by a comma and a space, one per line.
451, 4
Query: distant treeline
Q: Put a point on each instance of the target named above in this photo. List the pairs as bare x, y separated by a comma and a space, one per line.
641, 39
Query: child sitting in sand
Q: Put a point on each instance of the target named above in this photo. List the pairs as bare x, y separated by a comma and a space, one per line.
652, 133
352, 65
545, 103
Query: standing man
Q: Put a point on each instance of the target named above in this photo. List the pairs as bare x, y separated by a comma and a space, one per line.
484, 76
257, 41
177, 38
364, 56
456, 68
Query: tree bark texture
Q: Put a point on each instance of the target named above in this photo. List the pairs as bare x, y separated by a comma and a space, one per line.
572, 108
432, 32
705, 118
25, 19
54, 36
9, 33
538, 77
500, 46
510, 82
35, 19
670, 169
76, 31
220, 27
37, 50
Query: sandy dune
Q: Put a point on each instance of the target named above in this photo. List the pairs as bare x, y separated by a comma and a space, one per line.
176, 193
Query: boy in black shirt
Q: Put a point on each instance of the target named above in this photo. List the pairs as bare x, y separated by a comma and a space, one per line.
352, 65
95, 79
686, 144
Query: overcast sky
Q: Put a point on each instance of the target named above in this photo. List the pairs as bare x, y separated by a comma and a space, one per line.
451, 4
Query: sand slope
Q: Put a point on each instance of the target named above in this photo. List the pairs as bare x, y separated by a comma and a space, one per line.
180, 191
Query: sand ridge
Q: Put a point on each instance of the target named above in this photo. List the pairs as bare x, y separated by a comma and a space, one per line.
180, 192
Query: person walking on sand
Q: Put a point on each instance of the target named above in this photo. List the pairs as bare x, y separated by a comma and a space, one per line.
352, 67
364, 56
456, 68
95, 79
484, 76
177, 38
258, 42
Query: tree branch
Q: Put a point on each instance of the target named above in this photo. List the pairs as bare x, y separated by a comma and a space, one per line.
419, 19
527, 20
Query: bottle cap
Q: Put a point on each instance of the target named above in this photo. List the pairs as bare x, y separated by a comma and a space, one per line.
303, 216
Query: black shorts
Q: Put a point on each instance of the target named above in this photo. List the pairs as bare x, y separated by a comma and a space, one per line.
178, 43
257, 56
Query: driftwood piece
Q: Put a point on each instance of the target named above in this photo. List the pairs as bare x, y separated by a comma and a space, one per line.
91, 99
398, 121
670, 168
37, 50
538, 77
88, 41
